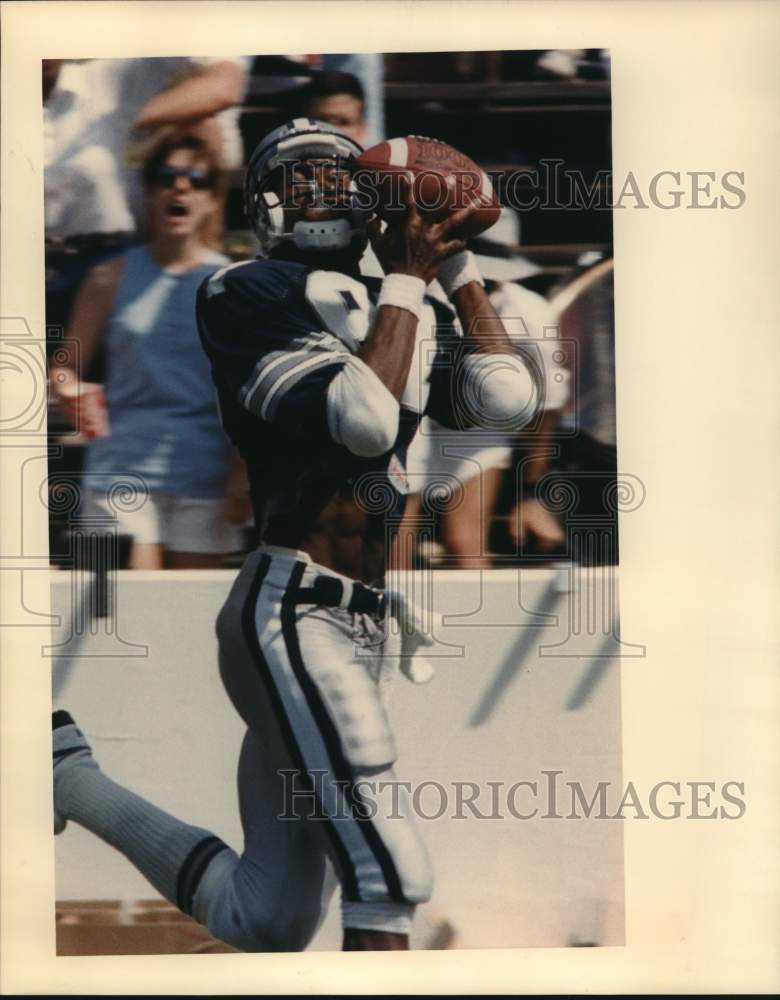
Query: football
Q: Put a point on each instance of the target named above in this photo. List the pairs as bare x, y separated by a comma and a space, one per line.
443, 180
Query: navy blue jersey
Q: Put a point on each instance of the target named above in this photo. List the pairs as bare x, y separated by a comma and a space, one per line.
277, 333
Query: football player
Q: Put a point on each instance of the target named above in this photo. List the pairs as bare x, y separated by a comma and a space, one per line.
322, 377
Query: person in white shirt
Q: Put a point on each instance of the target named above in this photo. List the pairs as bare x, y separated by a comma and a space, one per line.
338, 99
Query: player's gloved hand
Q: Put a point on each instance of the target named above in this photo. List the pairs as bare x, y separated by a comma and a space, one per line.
414, 637
414, 243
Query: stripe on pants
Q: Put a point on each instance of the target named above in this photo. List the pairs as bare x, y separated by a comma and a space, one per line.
250, 627
319, 748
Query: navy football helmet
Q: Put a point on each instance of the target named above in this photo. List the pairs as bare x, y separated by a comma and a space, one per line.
301, 139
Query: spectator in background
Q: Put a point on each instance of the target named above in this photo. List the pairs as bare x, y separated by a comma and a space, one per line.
338, 99
286, 75
92, 109
466, 467
585, 309
369, 69
156, 416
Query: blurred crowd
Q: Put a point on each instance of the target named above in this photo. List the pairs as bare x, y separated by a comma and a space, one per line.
141, 157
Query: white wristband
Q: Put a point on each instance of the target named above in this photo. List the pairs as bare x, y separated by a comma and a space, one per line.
403, 291
457, 271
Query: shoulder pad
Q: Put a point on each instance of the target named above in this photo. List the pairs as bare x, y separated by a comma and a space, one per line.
263, 281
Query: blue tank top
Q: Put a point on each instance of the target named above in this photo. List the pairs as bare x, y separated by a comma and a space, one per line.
162, 408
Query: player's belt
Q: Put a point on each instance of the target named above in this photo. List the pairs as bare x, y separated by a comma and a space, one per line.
332, 592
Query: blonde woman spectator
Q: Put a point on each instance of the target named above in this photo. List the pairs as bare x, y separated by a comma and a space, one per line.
156, 415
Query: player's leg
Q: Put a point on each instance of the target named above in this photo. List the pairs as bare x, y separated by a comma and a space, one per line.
358, 940
277, 895
272, 898
171, 854
336, 733
378, 923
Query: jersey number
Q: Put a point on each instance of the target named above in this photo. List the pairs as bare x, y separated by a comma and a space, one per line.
342, 304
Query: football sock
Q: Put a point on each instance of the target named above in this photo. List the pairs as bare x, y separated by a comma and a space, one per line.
171, 854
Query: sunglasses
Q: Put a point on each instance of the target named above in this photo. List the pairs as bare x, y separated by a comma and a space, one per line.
199, 178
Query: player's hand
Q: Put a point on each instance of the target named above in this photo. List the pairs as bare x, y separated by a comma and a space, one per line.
530, 519
415, 244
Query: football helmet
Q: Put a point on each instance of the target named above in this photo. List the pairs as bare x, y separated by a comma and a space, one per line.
301, 139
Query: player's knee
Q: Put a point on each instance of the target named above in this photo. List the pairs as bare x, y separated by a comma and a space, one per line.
257, 931
235, 911
402, 872
230, 914
250, 930
260, 928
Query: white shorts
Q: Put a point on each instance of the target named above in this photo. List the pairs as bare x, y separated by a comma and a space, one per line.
179, 524
438, 455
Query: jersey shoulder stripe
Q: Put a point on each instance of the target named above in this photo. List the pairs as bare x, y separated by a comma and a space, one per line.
254, 302
261, 279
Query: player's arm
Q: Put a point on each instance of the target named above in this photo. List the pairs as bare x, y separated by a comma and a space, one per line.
495, 386
311, 386
410, 252
311, 390
481, 325
363, 399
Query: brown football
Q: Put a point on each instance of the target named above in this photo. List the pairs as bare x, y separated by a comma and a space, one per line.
443, 180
